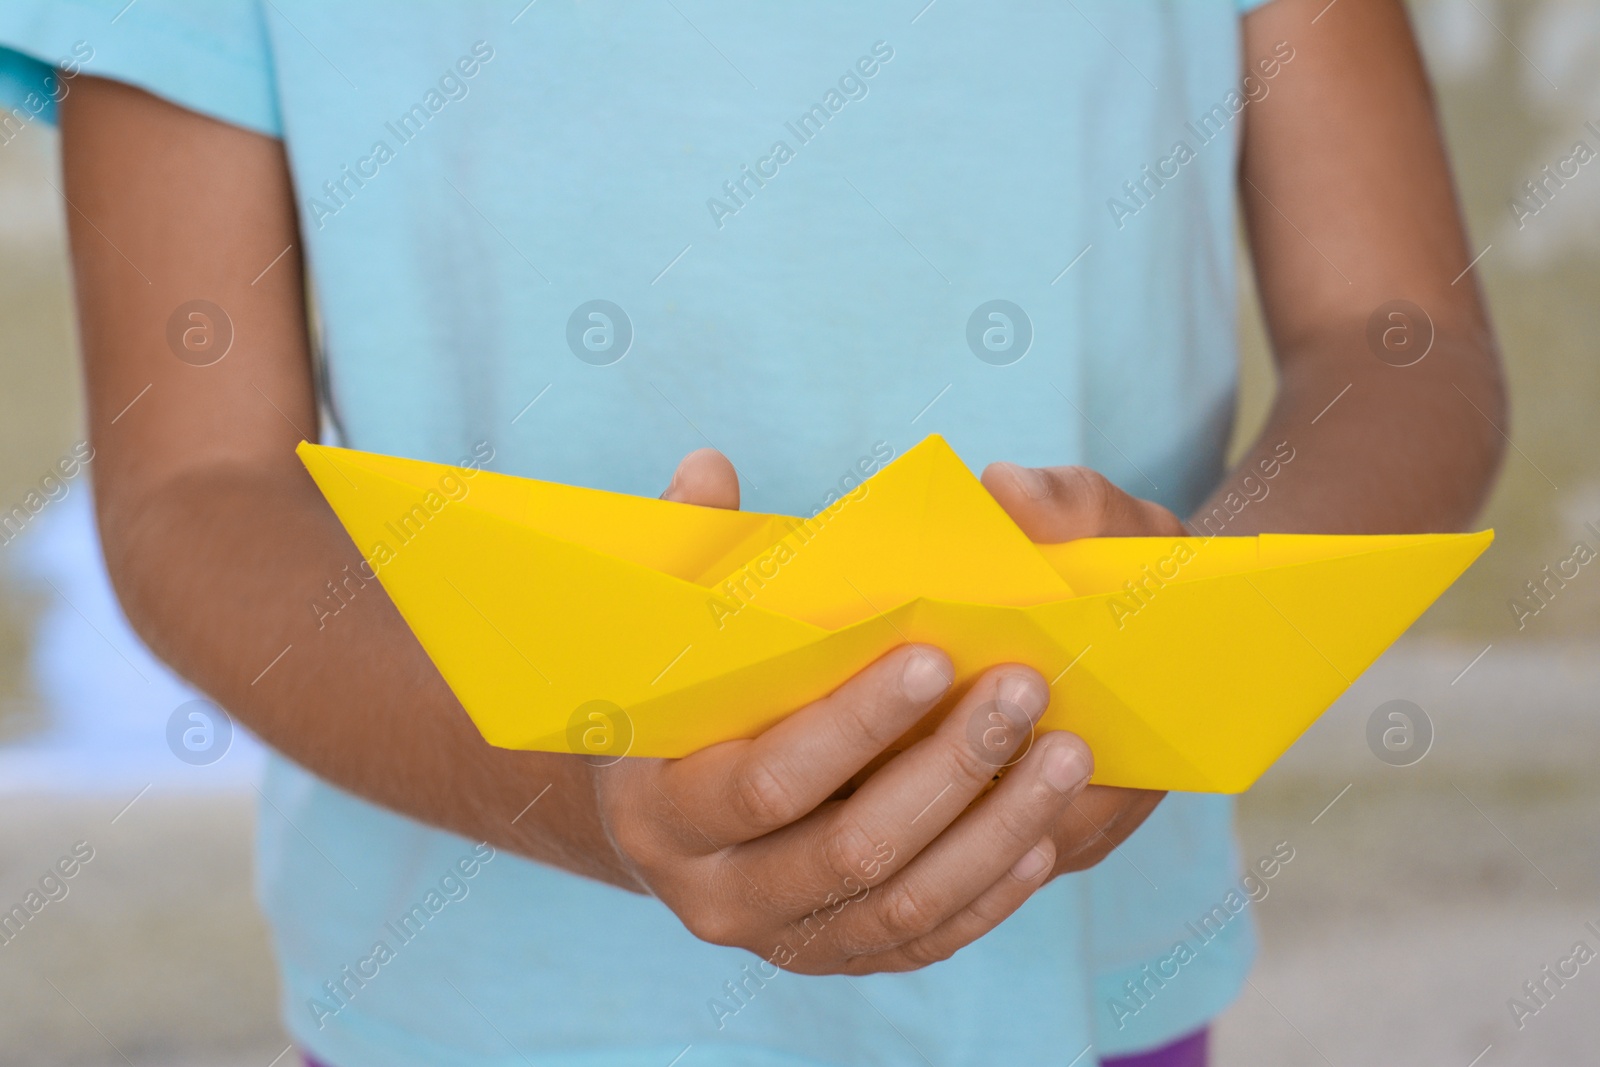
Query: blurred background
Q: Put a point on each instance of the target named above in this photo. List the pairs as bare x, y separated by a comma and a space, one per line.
1442, 858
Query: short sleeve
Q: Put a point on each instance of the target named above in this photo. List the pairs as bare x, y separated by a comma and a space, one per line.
210, 56
1247, 6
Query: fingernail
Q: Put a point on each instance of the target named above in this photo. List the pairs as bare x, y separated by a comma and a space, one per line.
1032, 865
924, 677
1028, 692
1064, 768
1032, 480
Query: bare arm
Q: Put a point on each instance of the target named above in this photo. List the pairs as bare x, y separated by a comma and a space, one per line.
1349, 205
216, 541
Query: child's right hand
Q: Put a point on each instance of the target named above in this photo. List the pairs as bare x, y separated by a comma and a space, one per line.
747, 843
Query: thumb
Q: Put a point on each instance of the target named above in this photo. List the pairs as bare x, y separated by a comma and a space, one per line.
707, 478
1054, 504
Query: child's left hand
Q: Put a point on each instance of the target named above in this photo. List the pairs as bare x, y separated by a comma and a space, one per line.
1054, 504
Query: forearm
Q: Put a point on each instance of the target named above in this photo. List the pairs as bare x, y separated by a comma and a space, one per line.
1375, 448
218, 571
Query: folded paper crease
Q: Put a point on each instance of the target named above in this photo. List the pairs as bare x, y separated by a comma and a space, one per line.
1185, 663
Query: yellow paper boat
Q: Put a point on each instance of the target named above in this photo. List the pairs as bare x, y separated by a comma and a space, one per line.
568, 619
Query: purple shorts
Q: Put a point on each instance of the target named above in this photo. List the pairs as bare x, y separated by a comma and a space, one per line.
1185, 1052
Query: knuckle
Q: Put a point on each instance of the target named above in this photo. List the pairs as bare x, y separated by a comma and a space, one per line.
1020, 825
905, 913
763, 799
967, 761
855, 722
925, 952
1088, 490
991, 910
714, 925
639, 841
848, 851
865, 724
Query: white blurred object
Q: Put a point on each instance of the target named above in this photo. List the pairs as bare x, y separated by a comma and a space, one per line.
1562, 43
31, 214
1458, 37
1560, 46
106, 698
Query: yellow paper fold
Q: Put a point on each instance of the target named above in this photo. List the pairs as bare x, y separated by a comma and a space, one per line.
577, 620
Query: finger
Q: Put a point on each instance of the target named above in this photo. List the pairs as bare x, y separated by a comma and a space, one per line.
746, 789
897, 811
1055, 504
992, 907
705, 477
1098, 821
989, 839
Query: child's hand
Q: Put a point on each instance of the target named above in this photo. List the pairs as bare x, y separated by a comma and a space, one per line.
1054, 504
745, 842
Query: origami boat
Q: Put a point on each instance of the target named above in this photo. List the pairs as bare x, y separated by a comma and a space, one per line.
576, 620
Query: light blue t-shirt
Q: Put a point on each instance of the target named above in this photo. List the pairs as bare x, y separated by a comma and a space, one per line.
591, 237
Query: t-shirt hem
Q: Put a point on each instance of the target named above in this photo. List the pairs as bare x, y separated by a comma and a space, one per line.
1168, 1009
158, 55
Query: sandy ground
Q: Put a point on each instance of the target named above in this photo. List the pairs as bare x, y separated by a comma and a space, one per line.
1395, 936
1419, 899
157, 954
1407, 920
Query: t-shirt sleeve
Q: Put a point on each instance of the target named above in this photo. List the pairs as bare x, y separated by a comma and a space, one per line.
1247, 6
211, 56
